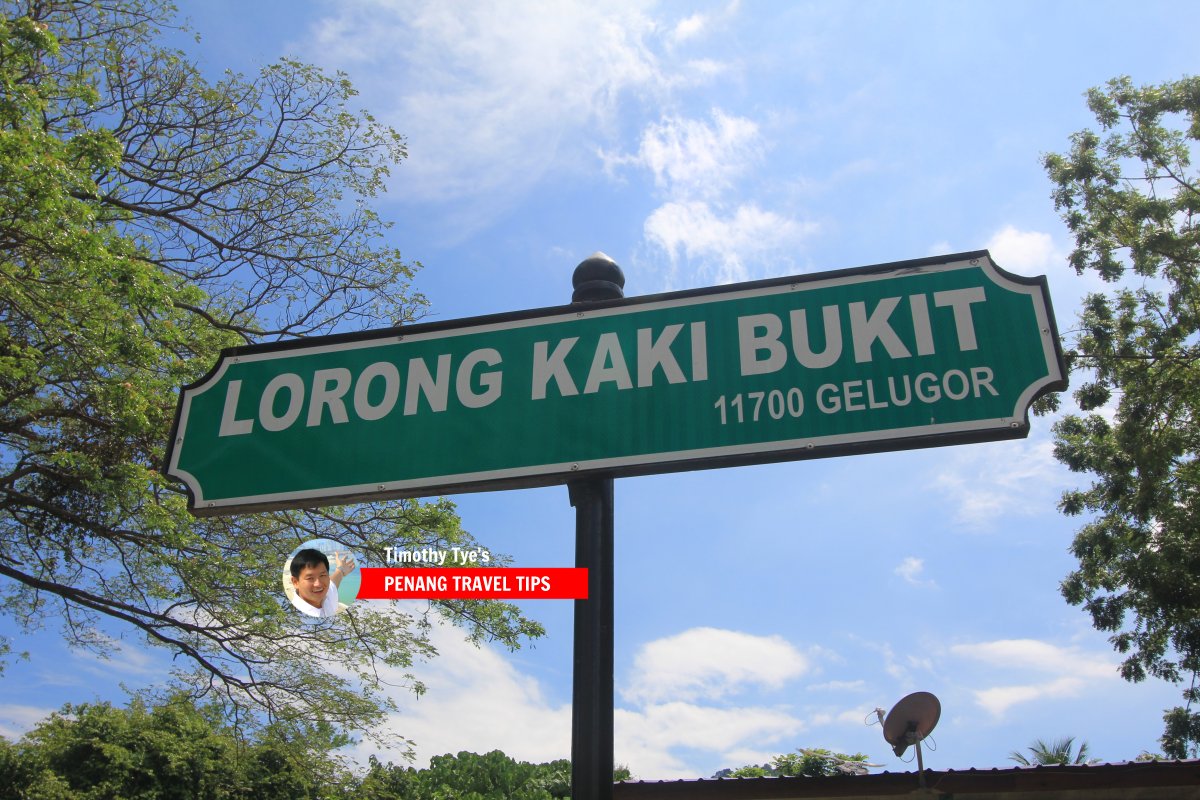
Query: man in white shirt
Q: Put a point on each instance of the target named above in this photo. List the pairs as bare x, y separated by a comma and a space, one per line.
312, 581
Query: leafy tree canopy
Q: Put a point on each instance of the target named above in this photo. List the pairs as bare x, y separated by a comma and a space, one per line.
1130, 194
148, 218
469, 776
809, 762
1060, 751
175, 750
167, 752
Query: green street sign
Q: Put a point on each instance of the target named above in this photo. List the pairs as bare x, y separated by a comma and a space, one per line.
911, 354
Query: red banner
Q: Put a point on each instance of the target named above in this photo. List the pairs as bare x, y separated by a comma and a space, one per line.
502, 583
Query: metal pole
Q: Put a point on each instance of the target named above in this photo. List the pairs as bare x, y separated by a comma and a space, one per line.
596, 278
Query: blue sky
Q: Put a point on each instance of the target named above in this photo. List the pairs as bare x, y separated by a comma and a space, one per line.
758, 609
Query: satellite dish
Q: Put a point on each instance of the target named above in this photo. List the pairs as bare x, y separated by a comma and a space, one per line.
911, 720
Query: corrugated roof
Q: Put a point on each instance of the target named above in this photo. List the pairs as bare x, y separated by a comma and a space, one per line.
1160, 780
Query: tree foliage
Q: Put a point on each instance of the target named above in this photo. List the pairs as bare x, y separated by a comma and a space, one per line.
166, 752
1060, 751
1130, 194
149, 217
809, 762
173, 750
470, 776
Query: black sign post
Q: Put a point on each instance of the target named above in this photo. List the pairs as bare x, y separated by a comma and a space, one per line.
597, 278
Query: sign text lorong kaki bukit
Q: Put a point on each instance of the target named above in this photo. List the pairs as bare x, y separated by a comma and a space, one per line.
903, 355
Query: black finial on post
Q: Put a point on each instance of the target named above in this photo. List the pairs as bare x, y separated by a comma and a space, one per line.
597, 278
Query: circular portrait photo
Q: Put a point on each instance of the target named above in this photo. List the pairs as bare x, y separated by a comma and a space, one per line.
321, 578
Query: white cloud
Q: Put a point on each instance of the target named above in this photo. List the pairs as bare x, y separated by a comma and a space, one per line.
1018, 477
699, 25
910, 569
999, 699
493, 707
16, 720
710, 663
698, 165
838, 686
691, 158
705, 69
1025, 252
1061, 671
674, 703
689, 28
128, 660
1039, 656
854, 716
724, 247
899, 668
494, 97
646, 739
489, 94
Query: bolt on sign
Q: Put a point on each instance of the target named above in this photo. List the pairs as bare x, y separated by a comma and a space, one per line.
910, 354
